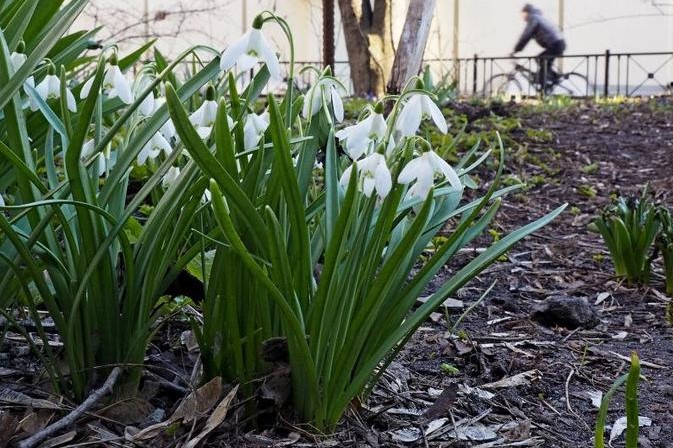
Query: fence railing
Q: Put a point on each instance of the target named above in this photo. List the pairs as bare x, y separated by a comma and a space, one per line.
606, 74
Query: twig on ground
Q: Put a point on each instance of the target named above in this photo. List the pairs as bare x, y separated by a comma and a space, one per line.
570, 375
76, 413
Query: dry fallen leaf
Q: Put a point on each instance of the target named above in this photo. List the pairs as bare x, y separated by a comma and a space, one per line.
215, 419
620, 425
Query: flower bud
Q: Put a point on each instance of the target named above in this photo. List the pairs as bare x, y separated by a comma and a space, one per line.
210, 93
258, 22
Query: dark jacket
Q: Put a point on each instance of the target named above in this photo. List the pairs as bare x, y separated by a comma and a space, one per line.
539, 28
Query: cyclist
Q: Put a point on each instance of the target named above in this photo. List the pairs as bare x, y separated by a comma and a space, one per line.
547, 35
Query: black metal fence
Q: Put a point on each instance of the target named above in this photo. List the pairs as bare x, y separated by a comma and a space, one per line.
606, 74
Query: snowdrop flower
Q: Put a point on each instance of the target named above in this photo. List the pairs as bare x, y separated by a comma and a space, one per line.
374, 175
358, 138
255, 126
423, 170
18, 58
114, 83
204, 117
418, 107
153, 148
314, 98
249, 49
87, 151
147, 106
50, 89
168, 128
170, 177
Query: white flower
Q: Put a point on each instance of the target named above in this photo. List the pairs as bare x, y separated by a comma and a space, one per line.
358, 138
314, 98
248, 50
147, 107
168, 128
2, 201
153, 148
87, 149
255, 126
114, 84
204, 118
418, 107
423, 169
50, 89
170, 177
101, 161
17, 60
374, 174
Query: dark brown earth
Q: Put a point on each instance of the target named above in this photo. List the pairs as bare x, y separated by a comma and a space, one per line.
502, 379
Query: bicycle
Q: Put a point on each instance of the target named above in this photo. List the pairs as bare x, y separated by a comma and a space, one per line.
521, 79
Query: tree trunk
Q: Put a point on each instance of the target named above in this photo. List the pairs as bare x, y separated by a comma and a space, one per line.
412, 44
368, 43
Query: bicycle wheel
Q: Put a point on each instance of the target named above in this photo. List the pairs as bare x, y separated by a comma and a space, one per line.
573, 84
502, 85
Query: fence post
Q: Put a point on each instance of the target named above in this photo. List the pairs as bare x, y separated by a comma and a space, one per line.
606, 86
474, 74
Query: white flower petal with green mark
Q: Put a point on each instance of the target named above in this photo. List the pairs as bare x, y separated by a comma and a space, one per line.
248, 50
423, 170
50, 89
360, 137
116, 85
254, 128
418, 107
374, 176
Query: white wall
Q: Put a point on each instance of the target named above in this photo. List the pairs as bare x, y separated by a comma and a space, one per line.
487, 27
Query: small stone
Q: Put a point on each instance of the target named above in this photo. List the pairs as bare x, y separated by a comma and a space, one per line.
565, 311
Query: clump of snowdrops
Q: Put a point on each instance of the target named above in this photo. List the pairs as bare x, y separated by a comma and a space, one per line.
321, 227
307, 230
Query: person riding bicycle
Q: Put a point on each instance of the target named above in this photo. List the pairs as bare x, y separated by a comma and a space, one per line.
547, 35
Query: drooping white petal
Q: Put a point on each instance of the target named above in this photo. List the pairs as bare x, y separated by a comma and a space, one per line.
70, 100
384, 182
336, 104
86, 89
346, 176
101, 163
431, 108
410, 117
17, 60
146, 107
259, 44
441, 166
2, 201
170, 177
120, 86
144, 154
410, 171
53, 87
87, 149
232, 54
255, 126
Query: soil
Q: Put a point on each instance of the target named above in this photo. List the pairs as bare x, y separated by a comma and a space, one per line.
502, 379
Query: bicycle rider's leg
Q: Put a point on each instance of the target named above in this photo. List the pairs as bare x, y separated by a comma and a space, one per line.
556, 51
544, 61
